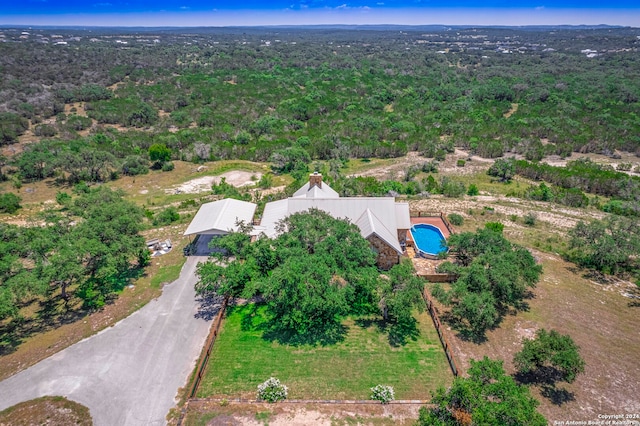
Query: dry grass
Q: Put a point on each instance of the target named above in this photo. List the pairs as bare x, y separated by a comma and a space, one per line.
599, 319
48, 410
286, 414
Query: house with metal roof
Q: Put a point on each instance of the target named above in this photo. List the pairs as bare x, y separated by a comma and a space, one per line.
381, 220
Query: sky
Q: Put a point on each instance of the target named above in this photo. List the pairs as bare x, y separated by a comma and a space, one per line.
299, 12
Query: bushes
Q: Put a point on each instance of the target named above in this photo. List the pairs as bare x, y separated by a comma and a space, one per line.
166, 216
382, 393
272, 391
135, 165
9, 203
456, 219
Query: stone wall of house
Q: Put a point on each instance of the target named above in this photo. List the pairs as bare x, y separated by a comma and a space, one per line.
387, 256
402, 237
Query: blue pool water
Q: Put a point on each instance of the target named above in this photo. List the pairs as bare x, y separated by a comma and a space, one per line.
428, 239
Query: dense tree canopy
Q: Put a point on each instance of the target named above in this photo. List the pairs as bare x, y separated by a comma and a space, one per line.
332, 95
311, 276
88, 247
487, 397
610, 246
493, 276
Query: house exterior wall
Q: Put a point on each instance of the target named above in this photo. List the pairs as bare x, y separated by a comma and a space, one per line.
387, 256
402, 237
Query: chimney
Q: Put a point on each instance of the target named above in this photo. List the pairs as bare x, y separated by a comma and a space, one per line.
315, 178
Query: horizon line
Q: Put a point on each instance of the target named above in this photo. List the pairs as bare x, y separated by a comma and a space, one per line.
512, 17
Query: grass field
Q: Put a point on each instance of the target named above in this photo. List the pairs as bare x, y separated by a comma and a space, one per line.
242, 359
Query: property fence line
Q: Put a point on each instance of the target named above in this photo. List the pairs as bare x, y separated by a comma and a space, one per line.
441, 215
203, 360
224, 401
211, 338
441, 334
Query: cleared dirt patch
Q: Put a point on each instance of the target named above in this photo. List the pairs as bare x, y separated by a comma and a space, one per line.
48, 410
285, 414
237, 178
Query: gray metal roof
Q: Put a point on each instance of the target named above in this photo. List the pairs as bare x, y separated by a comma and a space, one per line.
221, 217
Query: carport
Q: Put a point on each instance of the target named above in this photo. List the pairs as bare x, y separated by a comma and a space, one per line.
218, 218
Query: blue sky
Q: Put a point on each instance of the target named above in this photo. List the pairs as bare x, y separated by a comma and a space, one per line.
277, 12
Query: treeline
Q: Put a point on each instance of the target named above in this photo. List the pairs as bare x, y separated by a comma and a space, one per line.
87, 160
361, 93
584, 175
84, 250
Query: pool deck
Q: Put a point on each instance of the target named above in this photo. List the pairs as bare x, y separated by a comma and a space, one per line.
435, 221
425, 267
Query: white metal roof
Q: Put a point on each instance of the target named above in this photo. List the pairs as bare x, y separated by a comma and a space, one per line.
221, 217
369, 225
308, 191
403, 217
381, 219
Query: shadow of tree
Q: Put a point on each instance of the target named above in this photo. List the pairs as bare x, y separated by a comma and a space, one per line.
209, 306
252, 319
463, 331
329, 335
547, 378
399, 333
557, 396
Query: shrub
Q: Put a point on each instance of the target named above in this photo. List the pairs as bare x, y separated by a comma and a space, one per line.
382, 393
159, 153
168, 166
9, 203
494, 226
473, 190
135, 165
452, 189
460, 163
530, 219
456, 219
272, 391
166, 216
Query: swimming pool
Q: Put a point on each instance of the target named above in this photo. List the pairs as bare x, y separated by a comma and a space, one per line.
429, 239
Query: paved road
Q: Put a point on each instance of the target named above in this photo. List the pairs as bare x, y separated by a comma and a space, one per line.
128, 374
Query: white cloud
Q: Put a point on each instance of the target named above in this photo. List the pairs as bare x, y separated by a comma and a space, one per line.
539, 7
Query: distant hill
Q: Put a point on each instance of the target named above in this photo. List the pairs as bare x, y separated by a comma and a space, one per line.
377, 27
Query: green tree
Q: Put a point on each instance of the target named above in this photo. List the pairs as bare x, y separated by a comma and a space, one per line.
159, 152
502, 169
310, 277
493, 276
609, 246
550, 357
290, 159
487, 397
9, 203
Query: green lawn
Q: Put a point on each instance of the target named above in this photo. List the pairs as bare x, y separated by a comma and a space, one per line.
242, 358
